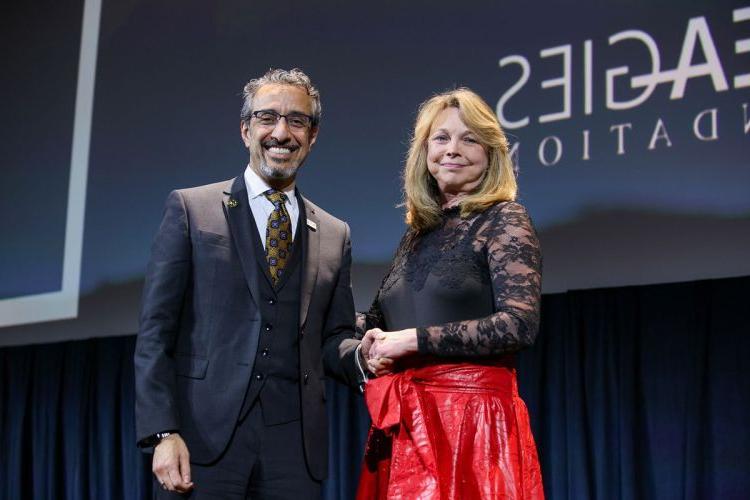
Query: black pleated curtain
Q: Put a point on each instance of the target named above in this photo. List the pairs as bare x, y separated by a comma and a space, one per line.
634, 393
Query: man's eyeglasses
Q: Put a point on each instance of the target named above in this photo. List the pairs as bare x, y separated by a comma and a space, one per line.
269, 118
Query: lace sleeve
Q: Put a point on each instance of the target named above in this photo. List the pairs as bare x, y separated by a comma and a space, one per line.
514, 264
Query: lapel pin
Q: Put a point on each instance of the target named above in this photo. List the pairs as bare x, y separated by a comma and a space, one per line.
231, 203
312, 225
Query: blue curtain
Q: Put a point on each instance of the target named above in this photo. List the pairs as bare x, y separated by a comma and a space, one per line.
643, 392
634, 393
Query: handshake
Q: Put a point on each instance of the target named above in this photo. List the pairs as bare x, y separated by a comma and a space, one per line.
379, 349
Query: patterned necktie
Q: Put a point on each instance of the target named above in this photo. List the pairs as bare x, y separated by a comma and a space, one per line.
278, 235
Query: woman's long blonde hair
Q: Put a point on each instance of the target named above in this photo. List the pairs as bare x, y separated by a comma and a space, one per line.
421, 193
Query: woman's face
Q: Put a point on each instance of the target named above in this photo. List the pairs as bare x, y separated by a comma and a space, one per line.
455, 158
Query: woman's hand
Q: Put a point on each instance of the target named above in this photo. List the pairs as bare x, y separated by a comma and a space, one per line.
387, 347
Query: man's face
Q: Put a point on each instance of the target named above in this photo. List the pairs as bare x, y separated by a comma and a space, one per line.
277, 151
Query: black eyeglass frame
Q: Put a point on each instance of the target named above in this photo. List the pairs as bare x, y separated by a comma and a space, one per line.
279, 116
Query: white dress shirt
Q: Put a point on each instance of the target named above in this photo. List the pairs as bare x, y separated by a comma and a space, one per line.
262, 207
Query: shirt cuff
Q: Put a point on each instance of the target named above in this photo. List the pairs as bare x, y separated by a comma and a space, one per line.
358, 361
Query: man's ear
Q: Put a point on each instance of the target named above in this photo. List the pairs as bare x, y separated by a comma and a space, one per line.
245, 133
314, 134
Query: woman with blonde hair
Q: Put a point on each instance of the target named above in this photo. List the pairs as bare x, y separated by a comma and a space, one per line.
461, 298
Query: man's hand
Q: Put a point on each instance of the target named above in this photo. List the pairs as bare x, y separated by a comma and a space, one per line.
377, 367
171, 464
380, 366
366, 344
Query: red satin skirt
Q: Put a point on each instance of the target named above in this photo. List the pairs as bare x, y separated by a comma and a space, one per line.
449, 432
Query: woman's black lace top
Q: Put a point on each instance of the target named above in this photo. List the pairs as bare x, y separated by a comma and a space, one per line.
471, 286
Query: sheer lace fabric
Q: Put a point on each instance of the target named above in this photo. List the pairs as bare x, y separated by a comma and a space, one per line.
471, 286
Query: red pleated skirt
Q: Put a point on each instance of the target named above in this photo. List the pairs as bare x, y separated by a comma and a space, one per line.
449, 432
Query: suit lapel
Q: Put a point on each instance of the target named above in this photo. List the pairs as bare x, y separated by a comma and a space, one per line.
239, 217
310, 224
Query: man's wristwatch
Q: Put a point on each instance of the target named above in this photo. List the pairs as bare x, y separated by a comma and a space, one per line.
155, 439
162, 435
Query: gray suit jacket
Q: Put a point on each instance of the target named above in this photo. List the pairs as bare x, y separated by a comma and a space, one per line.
200, 321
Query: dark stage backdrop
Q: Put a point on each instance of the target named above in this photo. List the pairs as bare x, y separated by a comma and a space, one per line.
629, 120
635, 393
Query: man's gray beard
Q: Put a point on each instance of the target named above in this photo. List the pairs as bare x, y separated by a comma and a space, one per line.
276, 173
270, 172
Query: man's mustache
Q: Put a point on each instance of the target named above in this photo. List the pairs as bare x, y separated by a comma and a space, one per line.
271, 143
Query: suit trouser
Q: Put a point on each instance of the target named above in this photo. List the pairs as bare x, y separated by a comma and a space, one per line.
261, 462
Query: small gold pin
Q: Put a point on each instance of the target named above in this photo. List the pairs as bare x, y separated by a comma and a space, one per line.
231, 203
312, 225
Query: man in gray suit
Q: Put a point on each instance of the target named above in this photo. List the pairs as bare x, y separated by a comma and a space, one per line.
247, 299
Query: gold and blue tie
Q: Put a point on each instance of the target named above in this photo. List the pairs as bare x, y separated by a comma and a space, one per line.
278, 235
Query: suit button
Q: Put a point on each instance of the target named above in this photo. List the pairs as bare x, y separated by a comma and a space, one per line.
301, 331
258, 376
306, 377
264, 352
269, 327
271, 301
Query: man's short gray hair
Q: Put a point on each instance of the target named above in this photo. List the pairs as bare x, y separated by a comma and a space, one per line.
295, 77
